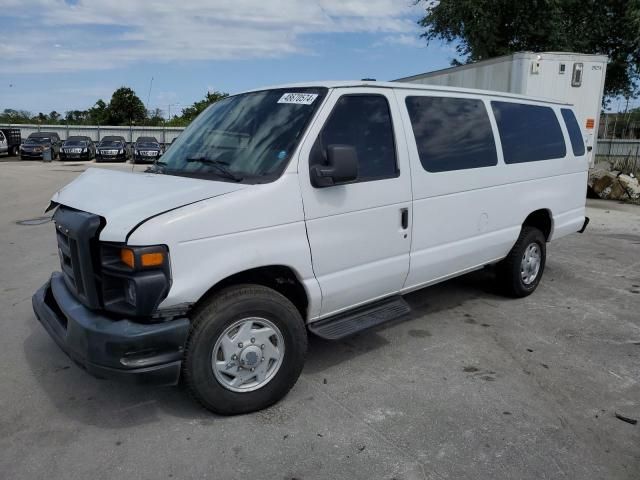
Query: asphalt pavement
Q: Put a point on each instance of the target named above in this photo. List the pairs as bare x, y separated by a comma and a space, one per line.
471, 386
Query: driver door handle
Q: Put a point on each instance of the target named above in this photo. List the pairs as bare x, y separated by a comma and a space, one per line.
404, 218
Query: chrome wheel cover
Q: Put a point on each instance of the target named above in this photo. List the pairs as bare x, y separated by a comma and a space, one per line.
248, 354
531, 263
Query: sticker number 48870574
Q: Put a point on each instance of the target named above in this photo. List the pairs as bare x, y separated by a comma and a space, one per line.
298, 98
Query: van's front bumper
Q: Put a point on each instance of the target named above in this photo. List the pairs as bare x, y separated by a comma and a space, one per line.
107, 347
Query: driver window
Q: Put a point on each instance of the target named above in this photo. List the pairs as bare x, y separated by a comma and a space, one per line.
364, 122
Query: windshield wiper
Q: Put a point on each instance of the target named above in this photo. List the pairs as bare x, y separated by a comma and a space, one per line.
158, 167
222, 167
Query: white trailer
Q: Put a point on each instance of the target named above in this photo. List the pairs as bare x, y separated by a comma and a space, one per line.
562, 76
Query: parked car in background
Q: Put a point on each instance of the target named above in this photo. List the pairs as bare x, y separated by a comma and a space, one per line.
146, 149
10, 140
112, 149
78, 148
38, 143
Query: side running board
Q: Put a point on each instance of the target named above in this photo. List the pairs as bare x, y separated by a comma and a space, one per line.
359, 319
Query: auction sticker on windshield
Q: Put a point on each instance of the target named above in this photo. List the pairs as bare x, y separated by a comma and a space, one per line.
298, 98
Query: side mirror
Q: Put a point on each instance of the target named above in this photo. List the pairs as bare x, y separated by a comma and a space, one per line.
342, 167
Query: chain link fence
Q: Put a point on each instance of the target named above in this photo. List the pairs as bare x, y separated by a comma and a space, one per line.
618, 146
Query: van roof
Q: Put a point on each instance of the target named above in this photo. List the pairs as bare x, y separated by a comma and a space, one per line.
407, 86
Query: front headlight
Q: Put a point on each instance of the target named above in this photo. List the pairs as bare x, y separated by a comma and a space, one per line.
134, 279
121, 151
135, 151
85, 150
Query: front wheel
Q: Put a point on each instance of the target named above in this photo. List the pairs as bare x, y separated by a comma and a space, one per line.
245, 351
520, 272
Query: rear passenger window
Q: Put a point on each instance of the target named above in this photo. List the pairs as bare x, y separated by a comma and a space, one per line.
451, 133
528, 133
364, 122
575, 135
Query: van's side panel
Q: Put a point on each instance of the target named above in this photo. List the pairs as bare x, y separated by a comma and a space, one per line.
254, 227
464, 219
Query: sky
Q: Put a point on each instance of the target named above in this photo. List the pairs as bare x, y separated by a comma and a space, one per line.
65, 54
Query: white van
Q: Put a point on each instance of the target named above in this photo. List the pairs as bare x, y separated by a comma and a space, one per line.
304, 207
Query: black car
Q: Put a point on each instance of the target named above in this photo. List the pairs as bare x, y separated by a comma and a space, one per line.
146, 149
38, 143
112, 149
78, 148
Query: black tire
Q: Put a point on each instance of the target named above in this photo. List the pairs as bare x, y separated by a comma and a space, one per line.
210, 322
508, 271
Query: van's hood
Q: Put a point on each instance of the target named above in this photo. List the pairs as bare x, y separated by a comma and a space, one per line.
126, 199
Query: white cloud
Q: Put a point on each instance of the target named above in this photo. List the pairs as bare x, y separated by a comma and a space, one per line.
51, 35
403, 39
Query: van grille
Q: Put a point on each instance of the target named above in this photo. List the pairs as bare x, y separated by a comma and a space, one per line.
76, 232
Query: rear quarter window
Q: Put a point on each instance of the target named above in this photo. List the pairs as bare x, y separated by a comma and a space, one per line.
451, 133
575, 135
529, 133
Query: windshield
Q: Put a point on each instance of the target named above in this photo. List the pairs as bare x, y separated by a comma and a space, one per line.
248, 137
38, 140
75, 143
148, 145
111, 144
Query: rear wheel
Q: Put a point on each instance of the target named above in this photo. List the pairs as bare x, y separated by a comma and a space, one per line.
245, 351
520, 272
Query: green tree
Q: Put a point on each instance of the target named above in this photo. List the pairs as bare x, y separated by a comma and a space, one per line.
154, 117
40, 118
75, 117
54, 117
99, 113
191, 112
481, 29
10, 115
125, 107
